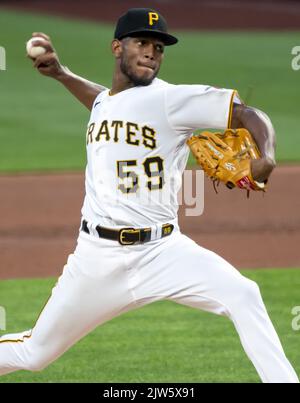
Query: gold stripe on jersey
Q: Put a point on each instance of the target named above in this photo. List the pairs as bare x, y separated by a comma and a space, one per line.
16, 340
230, 109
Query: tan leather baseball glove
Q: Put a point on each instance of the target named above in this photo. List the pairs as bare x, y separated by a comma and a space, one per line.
226, 157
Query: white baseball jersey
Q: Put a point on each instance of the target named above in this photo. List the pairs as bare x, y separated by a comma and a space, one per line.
136, 149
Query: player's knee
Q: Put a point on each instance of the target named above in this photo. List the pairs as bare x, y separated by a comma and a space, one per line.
242, 295
249, 292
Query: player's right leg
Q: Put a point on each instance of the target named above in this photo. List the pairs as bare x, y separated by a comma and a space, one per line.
92, 289
179, 270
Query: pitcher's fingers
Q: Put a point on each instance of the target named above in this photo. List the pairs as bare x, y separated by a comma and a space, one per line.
29, 57
45, 60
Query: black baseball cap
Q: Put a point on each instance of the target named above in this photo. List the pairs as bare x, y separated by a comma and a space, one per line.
144, 21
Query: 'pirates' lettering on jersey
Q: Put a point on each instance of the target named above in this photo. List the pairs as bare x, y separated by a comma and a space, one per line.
117, 130
137, 152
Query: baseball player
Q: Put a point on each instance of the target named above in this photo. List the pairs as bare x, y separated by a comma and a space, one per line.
130, 250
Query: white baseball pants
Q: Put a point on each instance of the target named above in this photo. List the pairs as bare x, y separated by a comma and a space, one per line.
103, 279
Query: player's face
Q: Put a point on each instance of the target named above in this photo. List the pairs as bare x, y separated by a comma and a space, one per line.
141, 58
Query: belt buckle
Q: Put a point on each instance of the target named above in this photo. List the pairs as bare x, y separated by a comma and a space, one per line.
121, 235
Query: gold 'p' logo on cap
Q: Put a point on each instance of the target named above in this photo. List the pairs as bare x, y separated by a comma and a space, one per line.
152, 18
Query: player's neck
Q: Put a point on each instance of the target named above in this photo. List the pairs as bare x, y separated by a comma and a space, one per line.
120, 83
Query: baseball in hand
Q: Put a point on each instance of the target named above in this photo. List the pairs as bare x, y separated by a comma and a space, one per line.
35, 51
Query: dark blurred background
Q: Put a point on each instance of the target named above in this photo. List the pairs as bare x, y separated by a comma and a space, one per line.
185, 14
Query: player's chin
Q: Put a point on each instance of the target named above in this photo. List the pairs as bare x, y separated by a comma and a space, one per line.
144, 78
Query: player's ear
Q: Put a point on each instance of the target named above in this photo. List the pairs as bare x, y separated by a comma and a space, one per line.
116, 47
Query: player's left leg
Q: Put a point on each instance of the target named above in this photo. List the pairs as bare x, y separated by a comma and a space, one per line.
188, 274
92, 289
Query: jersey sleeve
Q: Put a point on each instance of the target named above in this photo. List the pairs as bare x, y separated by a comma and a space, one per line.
191, 107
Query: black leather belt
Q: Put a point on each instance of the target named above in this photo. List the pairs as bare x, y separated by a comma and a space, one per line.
128, 236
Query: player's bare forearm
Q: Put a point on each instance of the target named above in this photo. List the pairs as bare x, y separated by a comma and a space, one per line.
261, 128
48, 64
84, 90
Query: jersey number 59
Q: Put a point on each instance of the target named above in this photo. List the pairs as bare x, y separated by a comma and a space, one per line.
153, 168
